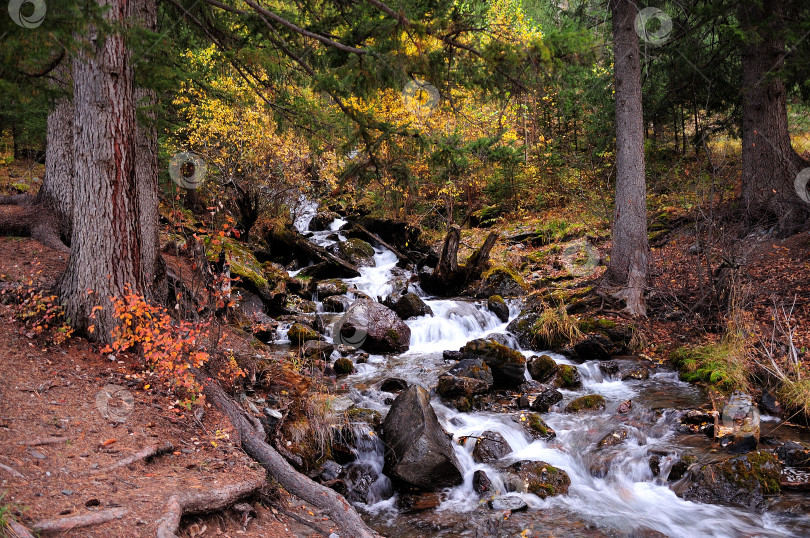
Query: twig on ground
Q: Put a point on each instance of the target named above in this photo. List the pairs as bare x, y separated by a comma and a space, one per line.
147, 453
13, 472
66, 524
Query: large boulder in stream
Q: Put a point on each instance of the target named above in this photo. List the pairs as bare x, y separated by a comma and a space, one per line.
355, 251
498, 306
374, 327
331, 287
466, 378
508, 366
490, 446
322, 220
418, 451
745, 480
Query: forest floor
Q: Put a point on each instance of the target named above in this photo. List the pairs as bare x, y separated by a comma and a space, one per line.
57, 446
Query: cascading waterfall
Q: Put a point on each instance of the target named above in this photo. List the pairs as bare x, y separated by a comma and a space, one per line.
622, 497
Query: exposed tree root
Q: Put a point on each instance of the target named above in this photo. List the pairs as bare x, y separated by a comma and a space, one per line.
40, 441
203, 501
147, 453
66, 524
13, 472
303, 521
19, 217
252, 437
18, 531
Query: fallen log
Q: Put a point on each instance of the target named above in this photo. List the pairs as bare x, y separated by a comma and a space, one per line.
203, 501
291, 243
362, 233
252, 438
65, 524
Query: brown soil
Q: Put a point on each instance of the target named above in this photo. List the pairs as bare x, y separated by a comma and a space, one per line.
50, 392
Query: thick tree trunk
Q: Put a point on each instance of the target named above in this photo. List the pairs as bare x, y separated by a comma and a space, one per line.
769, 164
629, 255
56, 192
106, 258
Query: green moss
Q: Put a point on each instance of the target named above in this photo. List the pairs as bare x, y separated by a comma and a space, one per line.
723, 365
758, 466
361, 414
299, 333
500, 271
538, 425
601, 325
590, 402
393, 335
343, 366
568, 376
240, 258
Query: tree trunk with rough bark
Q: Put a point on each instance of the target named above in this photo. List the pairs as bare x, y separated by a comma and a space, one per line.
56, 192
629, 254
106, 257
769, 163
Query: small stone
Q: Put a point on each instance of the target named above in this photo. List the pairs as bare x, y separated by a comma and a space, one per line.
625, 407
67, 492
481, 483
37, 454
393, 384
546, 399
343, 366
512, 503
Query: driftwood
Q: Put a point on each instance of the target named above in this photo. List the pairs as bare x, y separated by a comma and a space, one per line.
449, 277
292, 243
362, 233
144, 454
203, 501
252, 438
66, 524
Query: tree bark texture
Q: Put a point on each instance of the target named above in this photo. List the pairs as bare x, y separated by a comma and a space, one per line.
106, 258
56, 192
629, 254
769, 163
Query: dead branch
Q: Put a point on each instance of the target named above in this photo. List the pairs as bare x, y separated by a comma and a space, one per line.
203, 501
146, 453
252, 438
302, 520
13, 472
40, 441
19, 531
66, 524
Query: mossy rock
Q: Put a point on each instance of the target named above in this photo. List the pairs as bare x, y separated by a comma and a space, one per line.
343, 366
745, 480
538, 477
356, 251
240, 258
535, 426
362, 415
501, 281
591, 402
300, 333
498, 306
567, 377
542, 368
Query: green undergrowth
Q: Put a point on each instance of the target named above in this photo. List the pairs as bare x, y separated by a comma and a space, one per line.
724, 365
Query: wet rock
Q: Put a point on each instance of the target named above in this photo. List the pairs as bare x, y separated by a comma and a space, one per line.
546, 399
743, 480
452, 355
594, 347
490, 446
541, 368
513, 503
376, 328
738, 429
393, 384
609, 368
537, 477
355, 251
481, 483
322, 220
680, 467
465, 379
567, 377
591, 402
616, 437
794, 454
410, 305
336, 303
418, 452
358, 478
415, 502
625, 407
504, 339
363, 415
343, 366
508, 366
328, 288
300, 333
655, 464
638, 372
328, 471
535, 426
522, 401
317, 348
770, 403
498, 306
522, 326
501, 281
696, 421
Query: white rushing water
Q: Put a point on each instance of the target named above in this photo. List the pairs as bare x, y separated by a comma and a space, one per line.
620, 496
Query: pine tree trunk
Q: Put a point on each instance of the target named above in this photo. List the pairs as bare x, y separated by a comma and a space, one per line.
106, 242
629, 254
769, 164
56, 192
146, 172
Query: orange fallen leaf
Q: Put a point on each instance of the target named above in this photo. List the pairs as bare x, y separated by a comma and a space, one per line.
108, 442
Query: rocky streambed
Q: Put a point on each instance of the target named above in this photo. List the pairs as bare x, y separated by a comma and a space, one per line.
462, 425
